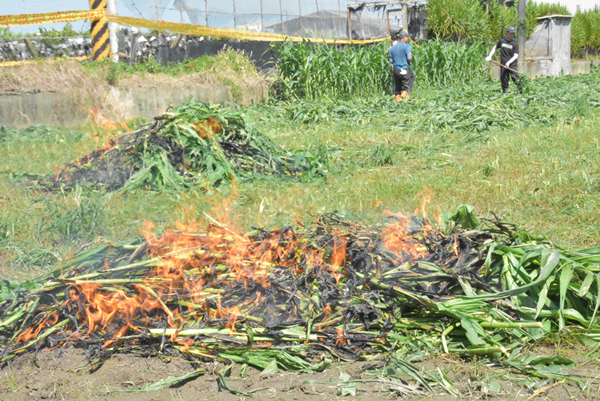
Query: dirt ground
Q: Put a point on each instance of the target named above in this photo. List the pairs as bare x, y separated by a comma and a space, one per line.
62, 375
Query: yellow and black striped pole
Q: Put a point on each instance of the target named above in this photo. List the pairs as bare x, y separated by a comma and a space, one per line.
99, 32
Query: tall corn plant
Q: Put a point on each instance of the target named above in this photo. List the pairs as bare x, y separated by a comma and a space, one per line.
467, 20
320, 71
501, 17
585, 32
314, 71
448, 63
457, 20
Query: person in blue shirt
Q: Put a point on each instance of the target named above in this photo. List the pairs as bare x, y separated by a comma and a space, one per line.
400, 55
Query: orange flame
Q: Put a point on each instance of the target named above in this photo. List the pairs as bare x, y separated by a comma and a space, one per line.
341, 337
32, 332
208, 128
398, 238
206, 263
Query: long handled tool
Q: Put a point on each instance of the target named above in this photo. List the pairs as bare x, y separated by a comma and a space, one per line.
503, 66
414, 43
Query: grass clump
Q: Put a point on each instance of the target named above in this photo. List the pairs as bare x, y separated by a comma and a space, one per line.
227, 59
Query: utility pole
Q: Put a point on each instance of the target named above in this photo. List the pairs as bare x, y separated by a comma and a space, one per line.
405, 16
113, 29
522, 11
99, 33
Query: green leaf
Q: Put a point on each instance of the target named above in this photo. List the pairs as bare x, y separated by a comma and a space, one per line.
566, 275
472, 329
495, 386
543, 296
159, 385
465, 217
346, 389
446, 382
587, 283
7, 288
271, 368
597, 300
545, 272
223, 383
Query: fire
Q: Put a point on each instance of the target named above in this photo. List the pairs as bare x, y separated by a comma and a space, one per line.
245, 263
327, 312
341, 337
99, 307
399, 239
208, 128
338, 256
212, 275
426, 195
32, 332
455, 247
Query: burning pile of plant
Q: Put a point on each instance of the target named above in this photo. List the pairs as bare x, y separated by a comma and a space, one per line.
295, 299
193, 144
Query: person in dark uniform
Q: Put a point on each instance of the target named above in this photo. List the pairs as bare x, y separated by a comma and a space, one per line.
400, 55
509, 53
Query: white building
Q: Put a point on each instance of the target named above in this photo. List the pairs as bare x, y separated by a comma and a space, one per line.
574, 5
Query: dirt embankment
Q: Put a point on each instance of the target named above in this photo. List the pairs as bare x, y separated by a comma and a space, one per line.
66, 91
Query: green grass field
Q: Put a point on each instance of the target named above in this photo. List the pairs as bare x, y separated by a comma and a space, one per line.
530, 159
544, 178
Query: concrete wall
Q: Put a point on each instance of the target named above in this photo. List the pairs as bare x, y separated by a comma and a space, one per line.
24, 109
581, 67
542, 67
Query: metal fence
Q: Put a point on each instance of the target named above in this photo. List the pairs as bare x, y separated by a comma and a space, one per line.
341, 19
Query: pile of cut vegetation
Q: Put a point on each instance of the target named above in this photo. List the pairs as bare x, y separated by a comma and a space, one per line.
193, 144
297, 299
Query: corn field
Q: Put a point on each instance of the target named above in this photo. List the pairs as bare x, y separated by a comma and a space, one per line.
309, 71
318, 70
468, 21
585, 33
440, 63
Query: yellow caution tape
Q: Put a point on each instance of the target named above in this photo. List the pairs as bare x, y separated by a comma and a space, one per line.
48, 18
25, 62
188, 29
199, 30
